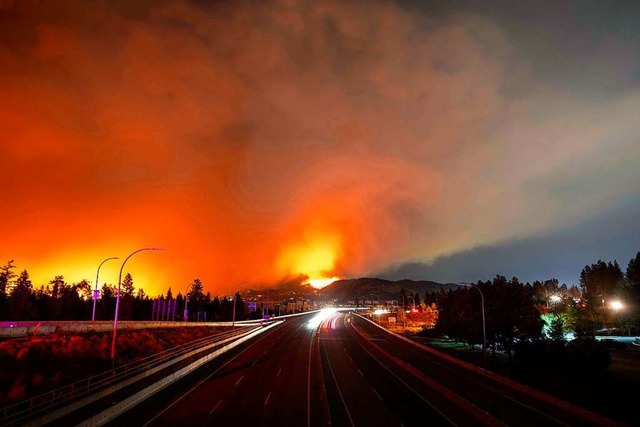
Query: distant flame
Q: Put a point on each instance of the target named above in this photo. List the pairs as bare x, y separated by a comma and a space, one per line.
321, 283
315, 259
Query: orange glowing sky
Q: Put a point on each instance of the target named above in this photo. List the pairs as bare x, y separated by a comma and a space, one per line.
272, 140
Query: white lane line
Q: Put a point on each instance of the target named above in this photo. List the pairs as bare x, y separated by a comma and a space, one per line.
278, 374
335, 381
360, 372
175, 402
420, 396
215, 407
240, 379
254, 362
350, 359
374, 390
267, 401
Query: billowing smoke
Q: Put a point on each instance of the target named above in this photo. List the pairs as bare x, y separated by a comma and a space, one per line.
265, 141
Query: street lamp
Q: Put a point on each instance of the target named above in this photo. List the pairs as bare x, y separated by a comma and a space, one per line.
484, 328
115, 319
616, 305
95, 292
413, 304
185, 315
233, 322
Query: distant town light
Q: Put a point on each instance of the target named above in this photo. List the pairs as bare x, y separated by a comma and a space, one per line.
555, 298
616, 305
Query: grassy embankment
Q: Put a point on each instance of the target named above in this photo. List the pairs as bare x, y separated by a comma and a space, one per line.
35, 365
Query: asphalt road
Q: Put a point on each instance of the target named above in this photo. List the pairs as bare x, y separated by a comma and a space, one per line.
366, 388
272, 380
502, 401
346, 371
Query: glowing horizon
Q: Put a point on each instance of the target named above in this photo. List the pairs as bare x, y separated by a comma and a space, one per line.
283, 141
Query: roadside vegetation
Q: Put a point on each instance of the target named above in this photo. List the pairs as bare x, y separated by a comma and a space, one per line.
39, 364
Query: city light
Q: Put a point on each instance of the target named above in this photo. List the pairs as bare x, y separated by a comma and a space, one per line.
555, 298
616, 305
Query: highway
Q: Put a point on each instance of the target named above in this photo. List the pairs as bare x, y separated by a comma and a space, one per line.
272, 380
347, 371
365, 388
486, 398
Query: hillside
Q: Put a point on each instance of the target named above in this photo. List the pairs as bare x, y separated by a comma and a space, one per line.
350, 289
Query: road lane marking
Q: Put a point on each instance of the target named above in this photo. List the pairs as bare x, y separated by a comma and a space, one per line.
278, 374
254, 362
374, 390
215, 407
335, 381
267, 401
238, 382
204, 380
360, 372
420, 396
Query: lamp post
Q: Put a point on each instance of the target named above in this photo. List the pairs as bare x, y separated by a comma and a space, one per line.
115, 319
373, 306
233, 321
95, 292
484, 327
185, 314
413, 303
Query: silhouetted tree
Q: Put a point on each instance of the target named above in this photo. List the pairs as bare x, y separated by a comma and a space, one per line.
600, 282
84, 289
195, 297
511, 314
127, 287
214, 309
107, 303
5, 277
632, 285
21, 300
126, 298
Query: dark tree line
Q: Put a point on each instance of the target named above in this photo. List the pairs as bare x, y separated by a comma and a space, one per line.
510, 313
531, 321
58, 300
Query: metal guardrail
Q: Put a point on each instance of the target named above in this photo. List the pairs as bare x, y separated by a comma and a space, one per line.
46, 402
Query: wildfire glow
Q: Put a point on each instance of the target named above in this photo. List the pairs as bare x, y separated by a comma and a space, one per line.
321, 283
315, 259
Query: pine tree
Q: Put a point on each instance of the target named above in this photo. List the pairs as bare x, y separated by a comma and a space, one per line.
127, 285
632, 283
20, 304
